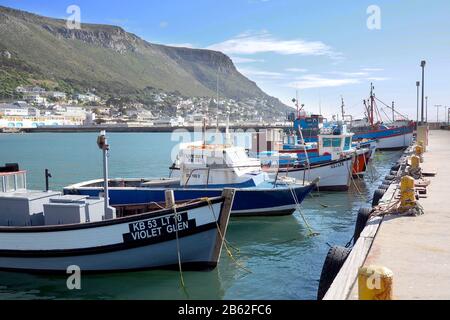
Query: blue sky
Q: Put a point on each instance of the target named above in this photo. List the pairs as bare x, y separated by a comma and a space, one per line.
324, 49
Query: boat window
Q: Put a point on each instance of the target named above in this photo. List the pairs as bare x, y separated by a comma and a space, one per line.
10, 185
327, 142
348, 142
20, 181
337, 142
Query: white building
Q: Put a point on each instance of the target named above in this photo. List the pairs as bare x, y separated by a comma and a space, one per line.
172, 122
30, 89
57, 95
89, 97
35, 98
34, 112
13, 110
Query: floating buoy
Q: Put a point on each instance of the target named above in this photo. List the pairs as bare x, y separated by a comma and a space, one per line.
333, 263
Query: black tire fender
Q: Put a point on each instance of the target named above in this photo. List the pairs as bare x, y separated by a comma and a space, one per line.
378, 194
333, 263
361, 222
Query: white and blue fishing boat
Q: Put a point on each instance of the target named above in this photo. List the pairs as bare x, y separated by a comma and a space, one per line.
204, 170
47, 232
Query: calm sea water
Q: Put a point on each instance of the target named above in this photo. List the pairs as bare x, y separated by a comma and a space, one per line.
281, 261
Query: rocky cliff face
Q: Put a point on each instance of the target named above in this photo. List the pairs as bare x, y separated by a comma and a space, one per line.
117, 62
116, 38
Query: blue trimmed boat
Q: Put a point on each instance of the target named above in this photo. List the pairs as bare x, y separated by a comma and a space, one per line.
203, 170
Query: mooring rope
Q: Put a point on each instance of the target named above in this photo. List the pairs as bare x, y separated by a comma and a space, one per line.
224, 241
176, 215
358, 191
297, 204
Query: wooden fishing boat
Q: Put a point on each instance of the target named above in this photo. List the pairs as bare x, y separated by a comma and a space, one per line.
43, 231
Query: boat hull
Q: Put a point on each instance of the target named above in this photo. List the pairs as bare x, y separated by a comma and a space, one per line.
360, 164
334, 175
124, 244
389, 139
269, 201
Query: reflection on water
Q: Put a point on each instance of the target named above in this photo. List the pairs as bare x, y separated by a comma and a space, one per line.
284, 262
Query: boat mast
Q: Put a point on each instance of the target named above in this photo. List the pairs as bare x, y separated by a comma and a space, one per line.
342, 109
393, 111
372, 100
102, 143
217, 114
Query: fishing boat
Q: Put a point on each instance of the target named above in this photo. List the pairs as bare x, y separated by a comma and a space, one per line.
204, 170
47, 232
391, 136
331, 159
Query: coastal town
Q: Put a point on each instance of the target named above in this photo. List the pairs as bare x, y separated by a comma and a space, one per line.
36, 107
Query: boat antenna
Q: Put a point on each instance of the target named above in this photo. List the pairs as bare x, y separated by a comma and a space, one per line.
320, 103
217, 114
371, 104
102, 143
393, 111
342, 108
227, 132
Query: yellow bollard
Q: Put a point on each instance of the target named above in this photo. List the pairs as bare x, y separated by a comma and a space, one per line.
418, 150
415, 162
375, 283
407, 194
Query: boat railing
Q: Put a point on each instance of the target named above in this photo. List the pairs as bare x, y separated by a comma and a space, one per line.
208, 169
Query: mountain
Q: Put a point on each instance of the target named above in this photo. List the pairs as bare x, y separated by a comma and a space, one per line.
116, 63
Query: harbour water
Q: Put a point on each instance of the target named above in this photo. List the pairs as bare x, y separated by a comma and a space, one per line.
273, 258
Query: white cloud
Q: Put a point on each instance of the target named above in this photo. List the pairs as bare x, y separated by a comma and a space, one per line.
372, 69
378, 78
296, 70
245, 60
181, 45
317, 81
351, 74
163, 24
261, 74
252, 43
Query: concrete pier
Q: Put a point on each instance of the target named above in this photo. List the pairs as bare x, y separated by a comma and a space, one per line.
416, 249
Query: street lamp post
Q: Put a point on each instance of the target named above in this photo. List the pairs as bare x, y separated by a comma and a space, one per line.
426, 109
422, 64
417, 117
437, 112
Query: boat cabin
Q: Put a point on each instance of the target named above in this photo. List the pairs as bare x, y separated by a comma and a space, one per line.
217, 165
335, 141
21, 207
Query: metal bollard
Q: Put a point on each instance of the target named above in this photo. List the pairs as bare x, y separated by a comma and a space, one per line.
375, 283
407, 193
